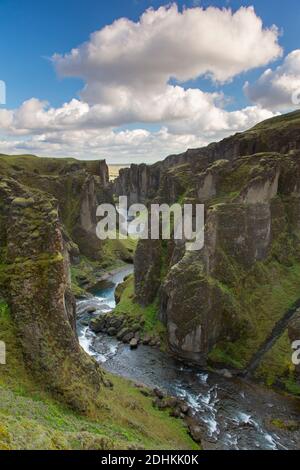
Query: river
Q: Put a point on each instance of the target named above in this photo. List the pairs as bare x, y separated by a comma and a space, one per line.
235, 414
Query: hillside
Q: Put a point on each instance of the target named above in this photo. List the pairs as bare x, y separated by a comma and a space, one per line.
219, 305
52, 394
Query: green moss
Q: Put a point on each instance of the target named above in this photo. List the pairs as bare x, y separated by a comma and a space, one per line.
34, 420
285, 425
259, 300
279, 121
135, 311
116, 251
291, 386
225, 354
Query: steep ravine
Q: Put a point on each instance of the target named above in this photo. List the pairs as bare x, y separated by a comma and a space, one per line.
233, 413
52, 394
220, 304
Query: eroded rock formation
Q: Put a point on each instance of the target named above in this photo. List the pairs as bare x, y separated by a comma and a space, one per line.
36, 223
221, 303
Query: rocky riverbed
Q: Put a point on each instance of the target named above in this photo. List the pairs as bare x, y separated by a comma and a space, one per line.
232, 413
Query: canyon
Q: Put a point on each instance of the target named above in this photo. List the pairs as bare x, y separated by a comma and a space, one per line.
213, 309
220, 304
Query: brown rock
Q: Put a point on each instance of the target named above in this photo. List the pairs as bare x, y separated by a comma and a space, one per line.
133, 344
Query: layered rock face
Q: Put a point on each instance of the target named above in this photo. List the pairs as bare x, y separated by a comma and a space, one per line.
79, 187
35, 276
219, 304
142, 183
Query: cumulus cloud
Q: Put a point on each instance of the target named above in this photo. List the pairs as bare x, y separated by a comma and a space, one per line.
115, 146
134, 72
64, 135
127, 66
278, 89
166, 43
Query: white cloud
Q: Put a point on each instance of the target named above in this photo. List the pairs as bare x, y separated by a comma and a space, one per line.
117, 147
166, 43
275, 88
64, 136
127, 68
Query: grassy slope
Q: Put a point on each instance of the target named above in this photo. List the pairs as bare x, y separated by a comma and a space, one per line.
135, 311
260, 296
260, 300
31, 419
45, 166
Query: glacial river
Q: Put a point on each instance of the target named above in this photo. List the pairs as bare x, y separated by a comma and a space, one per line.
234, 414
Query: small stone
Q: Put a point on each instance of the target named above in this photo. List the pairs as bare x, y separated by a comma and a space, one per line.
184, 408
91, 310
111, 331
108, 384
159, 393
127, 338
133, 344
122, 333
160, 404
117, 322
175, 413
97, 324
146, 340
226, 373
137, 337
196, 432
136, 327
172, 402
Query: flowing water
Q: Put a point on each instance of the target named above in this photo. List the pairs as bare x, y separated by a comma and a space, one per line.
234, 413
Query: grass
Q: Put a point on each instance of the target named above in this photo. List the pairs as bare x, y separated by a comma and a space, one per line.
114, 251
132, 309
12, 164
31, 419
261, 298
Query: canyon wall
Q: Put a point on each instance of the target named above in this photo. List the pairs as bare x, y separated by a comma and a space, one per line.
43, 214
221, 303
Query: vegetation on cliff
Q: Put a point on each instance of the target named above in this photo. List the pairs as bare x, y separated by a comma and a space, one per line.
31, 418
52, 394
221, 304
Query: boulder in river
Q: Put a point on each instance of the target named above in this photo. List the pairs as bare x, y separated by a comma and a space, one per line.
91, 310
122, 333
195, 431
127, 338
146, 340
97, 324
133, 344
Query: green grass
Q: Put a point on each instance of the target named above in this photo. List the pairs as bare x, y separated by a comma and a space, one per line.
31, 419
132, 309
114, 251
279, 121
12, 164
261, 299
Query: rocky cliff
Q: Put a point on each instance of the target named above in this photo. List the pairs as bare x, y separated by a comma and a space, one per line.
35, 277
47, 221
221, 303
142, 183
78, 187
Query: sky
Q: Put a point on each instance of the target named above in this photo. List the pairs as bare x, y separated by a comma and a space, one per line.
135, 80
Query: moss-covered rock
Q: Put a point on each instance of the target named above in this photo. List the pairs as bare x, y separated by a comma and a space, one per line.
222, 304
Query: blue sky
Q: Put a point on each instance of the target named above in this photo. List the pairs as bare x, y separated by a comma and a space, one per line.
32, 31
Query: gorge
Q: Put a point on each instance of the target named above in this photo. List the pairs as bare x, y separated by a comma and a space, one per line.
206, 314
